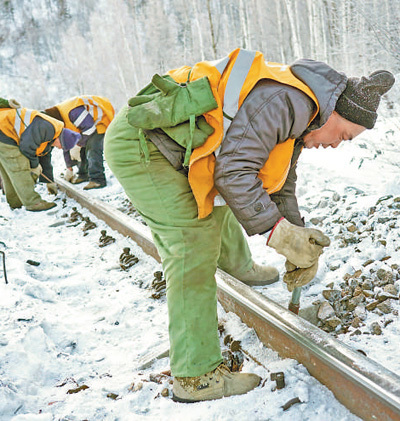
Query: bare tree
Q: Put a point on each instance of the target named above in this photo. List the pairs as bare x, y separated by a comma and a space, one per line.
213, 39
112, 47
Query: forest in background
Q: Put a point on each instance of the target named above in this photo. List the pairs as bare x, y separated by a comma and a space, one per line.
54, 49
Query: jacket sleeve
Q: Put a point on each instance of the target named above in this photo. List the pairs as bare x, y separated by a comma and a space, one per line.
38, 132
84, 121
271, 114
69, 162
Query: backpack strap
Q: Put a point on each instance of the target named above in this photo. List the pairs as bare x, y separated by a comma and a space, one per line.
144, 150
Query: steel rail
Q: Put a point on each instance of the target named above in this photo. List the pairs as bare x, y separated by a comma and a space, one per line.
365, 387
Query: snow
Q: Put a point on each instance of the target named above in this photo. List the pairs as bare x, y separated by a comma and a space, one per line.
78, 319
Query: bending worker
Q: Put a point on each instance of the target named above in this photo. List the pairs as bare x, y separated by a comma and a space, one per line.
241, 135
26, 136
90, 116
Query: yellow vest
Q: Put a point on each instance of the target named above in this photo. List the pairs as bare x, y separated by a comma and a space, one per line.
98, 107
231, 79
14, 122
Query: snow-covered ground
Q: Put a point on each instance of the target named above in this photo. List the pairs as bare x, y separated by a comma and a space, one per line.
352, 193
75, 329
78, 320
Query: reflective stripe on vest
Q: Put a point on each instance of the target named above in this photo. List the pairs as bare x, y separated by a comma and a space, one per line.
235, 82
220, 64
79, 121
20, 123
86, 100
234, 85
233, 88
80, 118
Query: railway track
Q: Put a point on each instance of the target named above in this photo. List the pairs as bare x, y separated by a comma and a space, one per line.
365, 387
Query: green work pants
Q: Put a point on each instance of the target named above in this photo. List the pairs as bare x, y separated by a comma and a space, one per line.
18, 183
190, 249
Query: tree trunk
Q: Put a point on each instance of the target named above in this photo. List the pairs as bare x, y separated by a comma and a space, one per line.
292, 15
213, 41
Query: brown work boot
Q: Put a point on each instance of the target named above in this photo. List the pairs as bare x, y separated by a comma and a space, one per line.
213, 385
259, 275
94, 185
76, 179
41, 206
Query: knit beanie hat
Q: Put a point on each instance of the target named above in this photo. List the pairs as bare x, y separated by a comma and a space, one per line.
69, 139
360, 99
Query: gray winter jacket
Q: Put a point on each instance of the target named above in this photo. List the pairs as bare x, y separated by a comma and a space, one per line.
270, 114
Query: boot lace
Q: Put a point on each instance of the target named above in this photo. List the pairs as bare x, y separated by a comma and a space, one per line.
220, 371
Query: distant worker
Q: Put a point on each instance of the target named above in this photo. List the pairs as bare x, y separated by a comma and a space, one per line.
90, 116
26, 136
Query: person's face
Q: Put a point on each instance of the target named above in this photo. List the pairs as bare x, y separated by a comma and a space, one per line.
57, 143
333, 132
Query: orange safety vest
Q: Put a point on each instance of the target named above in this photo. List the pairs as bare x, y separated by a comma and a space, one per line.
231, 80
14, 122
98, 107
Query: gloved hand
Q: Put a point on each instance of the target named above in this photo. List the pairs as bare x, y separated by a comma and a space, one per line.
52, 188
298, 277
69, 173
301, 246
75, 153
35, 172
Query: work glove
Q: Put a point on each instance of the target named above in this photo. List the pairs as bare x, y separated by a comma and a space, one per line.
52, 188
301, 246
171, 104
298, 277
181, 132
75, 153
35, 172
69, 173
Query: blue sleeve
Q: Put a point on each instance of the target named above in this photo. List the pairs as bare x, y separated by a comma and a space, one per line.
67, 158
69, 162
83, 120
38, 132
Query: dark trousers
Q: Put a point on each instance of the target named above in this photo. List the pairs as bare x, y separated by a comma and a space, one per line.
92, 164
47, 168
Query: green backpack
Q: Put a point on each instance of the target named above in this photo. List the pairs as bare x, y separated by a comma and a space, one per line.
175, 108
